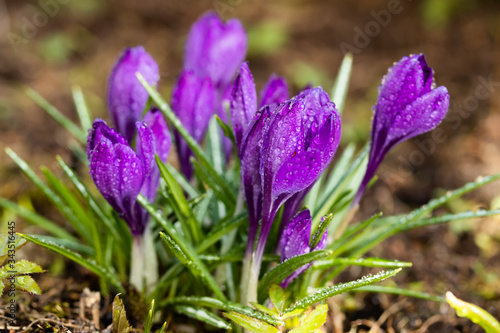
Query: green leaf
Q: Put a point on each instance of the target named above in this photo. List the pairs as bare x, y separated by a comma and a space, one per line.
81, 109
220, 230
96, 208
2, 286
20, 267
37, 220
313, 321
277, 296
365, 262
7, 240
399, 291
225, 306
149, 319
320, 231
69, 244
180, 205
283, 270
214, 146
474, 313
325, 293
27, 283
120, 322
83, 220
251, 324
163, 327
202, 315
225, 196
87, 263
341, 85
183, 182
195, 147
291, 314
76, 131
264, 309
228, 131
56, 200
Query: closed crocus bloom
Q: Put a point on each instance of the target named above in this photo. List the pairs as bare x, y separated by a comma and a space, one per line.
193, 101
292, 144
295, 241
215, 49
274, 92
127, 97
120, 173
243, 101
408, 104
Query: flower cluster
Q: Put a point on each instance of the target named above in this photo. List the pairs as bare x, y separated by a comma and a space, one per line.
284, 144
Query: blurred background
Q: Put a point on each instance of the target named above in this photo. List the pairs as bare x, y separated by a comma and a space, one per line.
52, 45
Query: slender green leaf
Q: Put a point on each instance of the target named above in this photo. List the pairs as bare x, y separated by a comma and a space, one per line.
2, 286
183, 182
96, 208
291, 314
215, 147
197, 150
37, 220
149, 319
69, 244
474, 313
76, 131
220, 193
202, 315
325, 293
120, 322
221, 230
85, 262
56, 200
163, 327
313, 321
180, 205
341, 85
283, 270
365, 262
320, 231
251, 324
399, 291
277, 297
81, 108
228, 131
27, 283
225, 306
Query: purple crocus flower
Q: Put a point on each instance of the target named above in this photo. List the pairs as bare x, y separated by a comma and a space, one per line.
193, 101
295, 241
243, 99
408, 104
289, 147
120, 173
127, 97
215, 49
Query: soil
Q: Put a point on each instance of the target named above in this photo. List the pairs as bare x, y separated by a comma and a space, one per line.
302, 40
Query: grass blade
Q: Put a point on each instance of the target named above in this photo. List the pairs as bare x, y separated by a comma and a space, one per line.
400, 291
341, 85
202, 315
87, 263
365, 262
81, 108
76, 131
324, 293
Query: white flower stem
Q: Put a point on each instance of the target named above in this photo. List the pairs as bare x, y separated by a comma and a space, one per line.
144, 263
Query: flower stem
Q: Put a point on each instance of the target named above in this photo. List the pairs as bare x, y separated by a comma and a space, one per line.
144, 263
136, 272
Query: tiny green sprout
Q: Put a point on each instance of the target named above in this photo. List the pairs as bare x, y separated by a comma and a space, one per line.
474, 313
14, 274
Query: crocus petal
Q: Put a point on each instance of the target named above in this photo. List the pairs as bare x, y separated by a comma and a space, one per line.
243, 101
193, 101
407, 106
215, 49
104, 170
131, 179
99, 131
274, 92
127, 97
250, 165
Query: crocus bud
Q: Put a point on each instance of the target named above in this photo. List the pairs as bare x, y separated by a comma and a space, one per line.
274, 92
408, 104
295, 241
120, 173
193, 101
158, 126
293, 146
243, 101
215, 49
127, 97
